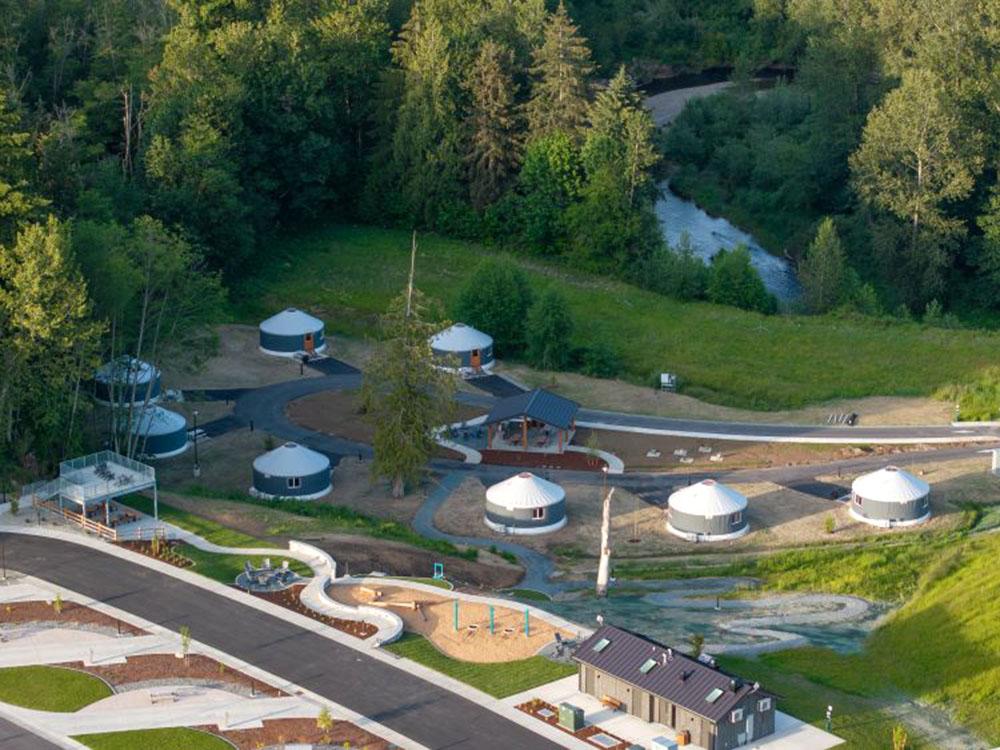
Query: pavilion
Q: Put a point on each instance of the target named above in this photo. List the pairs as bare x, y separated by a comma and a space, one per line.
86, 487
537, 420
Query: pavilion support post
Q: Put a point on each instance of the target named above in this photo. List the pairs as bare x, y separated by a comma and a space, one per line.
524, 434
156, 507
560, 440
107, 512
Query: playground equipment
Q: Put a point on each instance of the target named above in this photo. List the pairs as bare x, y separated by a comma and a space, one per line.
438, 571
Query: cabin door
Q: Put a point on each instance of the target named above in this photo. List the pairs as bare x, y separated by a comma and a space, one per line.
750, 728
309, 343
475, 359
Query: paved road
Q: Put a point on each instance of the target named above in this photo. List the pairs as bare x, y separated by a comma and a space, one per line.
397, 699
12, 737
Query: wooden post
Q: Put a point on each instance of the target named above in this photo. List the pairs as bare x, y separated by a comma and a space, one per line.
524, 434
560, 440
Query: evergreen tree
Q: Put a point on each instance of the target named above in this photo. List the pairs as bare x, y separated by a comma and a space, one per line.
550, 325
494, 142
405, 396
823, 272
496, 299
550, 180
560, 69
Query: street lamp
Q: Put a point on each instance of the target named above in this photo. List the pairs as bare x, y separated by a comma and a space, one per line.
197, 466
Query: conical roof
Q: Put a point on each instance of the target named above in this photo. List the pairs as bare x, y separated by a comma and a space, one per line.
291, 460
890, 485
525, 490
460, 338
155, 420
291, 322
126, 369
707, 498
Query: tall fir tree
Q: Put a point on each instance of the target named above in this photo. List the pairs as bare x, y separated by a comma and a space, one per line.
494, 139
560, 69
823, 272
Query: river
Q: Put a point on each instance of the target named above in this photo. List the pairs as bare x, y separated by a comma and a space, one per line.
708, 234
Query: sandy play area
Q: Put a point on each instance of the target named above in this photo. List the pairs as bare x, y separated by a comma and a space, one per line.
434, 619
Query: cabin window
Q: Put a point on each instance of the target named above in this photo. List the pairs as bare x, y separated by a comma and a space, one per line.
294, 483
538, 513
764, 704
736, 715
736, 517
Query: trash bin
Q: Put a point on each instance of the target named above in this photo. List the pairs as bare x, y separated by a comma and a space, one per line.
570, 717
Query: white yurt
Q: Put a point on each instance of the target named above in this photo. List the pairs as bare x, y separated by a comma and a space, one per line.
463, 349
292, 331
161, 433
525, 504
291, 471
890, 497
708, 511
114, 381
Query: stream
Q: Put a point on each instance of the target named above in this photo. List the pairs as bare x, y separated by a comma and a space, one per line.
707, 234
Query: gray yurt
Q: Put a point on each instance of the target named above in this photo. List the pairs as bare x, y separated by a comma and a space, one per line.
890, 497
463, 349
161, 433
707, 512
525, 504
290, 470
115, 380
292, 331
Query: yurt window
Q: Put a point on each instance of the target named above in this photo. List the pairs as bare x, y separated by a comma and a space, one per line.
538, 513
857, 499
736, 517
294, 483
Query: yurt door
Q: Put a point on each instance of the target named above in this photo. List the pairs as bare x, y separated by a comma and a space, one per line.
476, 359
310, 345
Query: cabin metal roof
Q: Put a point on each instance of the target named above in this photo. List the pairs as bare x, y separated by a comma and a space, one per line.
539, 404
676, 677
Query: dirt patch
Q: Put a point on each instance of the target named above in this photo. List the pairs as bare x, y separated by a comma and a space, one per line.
338, 413
618, 395
71, 613
666, 106
550, 715
360, 555
570, 460
279, 732
291, 598
432, 616
164, 551
635, 450
149, 667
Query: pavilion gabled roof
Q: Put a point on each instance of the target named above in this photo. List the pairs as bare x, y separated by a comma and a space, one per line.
540, 405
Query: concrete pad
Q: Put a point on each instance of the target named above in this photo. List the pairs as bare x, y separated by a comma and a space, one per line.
33, 637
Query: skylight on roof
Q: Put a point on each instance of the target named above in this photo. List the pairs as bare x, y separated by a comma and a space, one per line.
601, 645
714, 695
647, 666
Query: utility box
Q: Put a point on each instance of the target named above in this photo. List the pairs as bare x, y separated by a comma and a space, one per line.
668, 381
570, 717
663, 743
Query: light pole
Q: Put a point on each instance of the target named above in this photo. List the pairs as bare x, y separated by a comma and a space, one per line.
197, 466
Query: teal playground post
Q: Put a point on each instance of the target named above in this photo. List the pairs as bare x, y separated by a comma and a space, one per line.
491, 620
527, 623
456, 615
438, 571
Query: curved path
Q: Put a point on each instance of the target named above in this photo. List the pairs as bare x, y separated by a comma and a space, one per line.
398, 699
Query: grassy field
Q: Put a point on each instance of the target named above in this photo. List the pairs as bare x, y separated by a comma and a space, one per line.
50, 688
498, 680
722, 354
177, 738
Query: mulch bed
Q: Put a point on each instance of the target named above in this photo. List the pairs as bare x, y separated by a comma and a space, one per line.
278, 732
143, 667
289, 599
167, 552
70, 614
535, 705
570, 460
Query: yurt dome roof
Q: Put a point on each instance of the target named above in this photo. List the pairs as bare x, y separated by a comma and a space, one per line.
460, 338
707, 498
291, 322
525, 490
126, 369
291, 460
155, 420
890, 485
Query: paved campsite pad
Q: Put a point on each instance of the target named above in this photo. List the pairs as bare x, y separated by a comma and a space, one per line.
435, 621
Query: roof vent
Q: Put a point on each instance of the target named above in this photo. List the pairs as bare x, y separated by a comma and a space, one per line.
670, 653
291, 445
756, 686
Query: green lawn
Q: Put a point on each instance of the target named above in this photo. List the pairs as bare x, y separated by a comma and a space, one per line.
177, 738
225, 568
724, 355
50, 688
498, 680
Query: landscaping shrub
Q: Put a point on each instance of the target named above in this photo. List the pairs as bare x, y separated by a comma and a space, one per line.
550, 325
496, 299
734, 281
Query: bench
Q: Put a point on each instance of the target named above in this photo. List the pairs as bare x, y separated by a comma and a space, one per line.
613, 703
